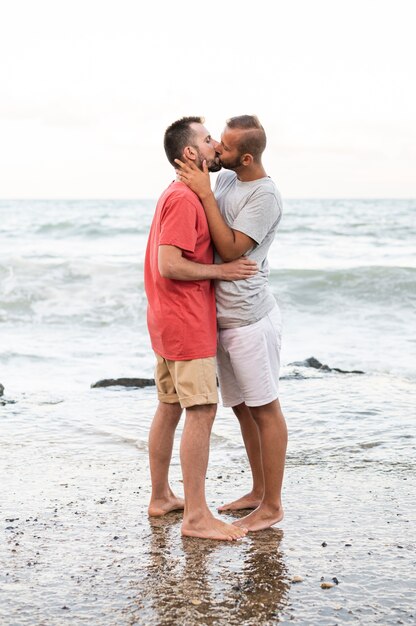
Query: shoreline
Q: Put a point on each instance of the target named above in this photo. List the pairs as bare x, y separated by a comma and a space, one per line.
80, 547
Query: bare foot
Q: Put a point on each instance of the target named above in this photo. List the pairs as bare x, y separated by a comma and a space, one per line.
165, 505
209, 527
248, 501
263, 517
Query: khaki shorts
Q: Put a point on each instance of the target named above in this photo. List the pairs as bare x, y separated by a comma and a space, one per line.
188, 382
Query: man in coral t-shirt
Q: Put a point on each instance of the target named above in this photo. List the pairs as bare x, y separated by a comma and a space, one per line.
179, 266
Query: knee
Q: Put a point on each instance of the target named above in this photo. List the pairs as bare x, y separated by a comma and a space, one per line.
171, 412
261, 416
242, 412
206, 411
268, 413
210, 411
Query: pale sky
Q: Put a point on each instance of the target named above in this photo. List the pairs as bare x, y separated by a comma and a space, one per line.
87, 88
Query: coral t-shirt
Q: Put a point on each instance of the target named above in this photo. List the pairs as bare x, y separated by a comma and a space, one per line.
181, 314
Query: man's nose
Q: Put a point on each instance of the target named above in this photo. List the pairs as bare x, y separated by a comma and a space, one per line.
218, 147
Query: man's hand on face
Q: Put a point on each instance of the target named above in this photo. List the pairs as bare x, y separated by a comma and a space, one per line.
196, 179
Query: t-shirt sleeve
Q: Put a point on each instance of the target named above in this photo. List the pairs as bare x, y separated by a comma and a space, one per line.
258, 216
178, 225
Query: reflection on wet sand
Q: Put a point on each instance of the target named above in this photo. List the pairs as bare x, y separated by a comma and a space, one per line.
190, 581
264, 588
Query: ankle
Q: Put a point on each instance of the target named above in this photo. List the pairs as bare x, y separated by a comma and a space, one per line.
162, 495
196, 515
272, 505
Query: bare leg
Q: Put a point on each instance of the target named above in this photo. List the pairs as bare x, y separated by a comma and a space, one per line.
273, 438
251, 438
161, 437
198, 520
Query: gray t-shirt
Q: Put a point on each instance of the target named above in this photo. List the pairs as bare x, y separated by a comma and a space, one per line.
254, 208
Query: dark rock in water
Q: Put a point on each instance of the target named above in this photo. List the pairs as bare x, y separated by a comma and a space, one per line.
3, 402
149, 382
124, 382
336, 369
312, 362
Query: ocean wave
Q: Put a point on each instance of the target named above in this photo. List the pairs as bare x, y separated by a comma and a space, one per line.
319, 288
90, 230
93, 291
88, 291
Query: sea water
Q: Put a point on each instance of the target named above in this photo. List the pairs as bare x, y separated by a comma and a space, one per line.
73, 311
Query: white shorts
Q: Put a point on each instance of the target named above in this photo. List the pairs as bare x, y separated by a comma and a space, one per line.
248, 361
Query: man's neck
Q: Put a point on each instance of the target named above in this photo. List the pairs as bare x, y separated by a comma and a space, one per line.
253, 172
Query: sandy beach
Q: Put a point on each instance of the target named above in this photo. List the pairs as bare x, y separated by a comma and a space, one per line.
79, 548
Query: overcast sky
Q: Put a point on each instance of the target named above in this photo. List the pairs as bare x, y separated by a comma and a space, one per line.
87, 88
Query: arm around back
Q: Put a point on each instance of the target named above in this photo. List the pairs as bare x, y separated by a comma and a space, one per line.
173, 265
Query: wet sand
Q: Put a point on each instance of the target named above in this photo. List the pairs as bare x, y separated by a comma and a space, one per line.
78, 546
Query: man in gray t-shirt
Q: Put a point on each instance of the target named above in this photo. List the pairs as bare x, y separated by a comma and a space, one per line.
243, 216
253, 208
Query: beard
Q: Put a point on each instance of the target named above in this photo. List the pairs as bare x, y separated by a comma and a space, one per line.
213, 165
231, 165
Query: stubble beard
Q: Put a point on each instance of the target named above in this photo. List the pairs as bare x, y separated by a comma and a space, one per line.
214, 165
231, 165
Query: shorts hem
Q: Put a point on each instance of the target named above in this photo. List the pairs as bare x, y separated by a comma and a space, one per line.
262, 402
229, 404
199, 400
168, 398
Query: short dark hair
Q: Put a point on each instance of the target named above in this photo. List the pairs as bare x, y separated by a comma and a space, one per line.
179, 135
253, 141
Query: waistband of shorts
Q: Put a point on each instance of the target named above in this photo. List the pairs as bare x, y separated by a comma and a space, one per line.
275, 306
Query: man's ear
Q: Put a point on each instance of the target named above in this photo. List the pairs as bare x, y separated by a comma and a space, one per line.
246, 159
189, 153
